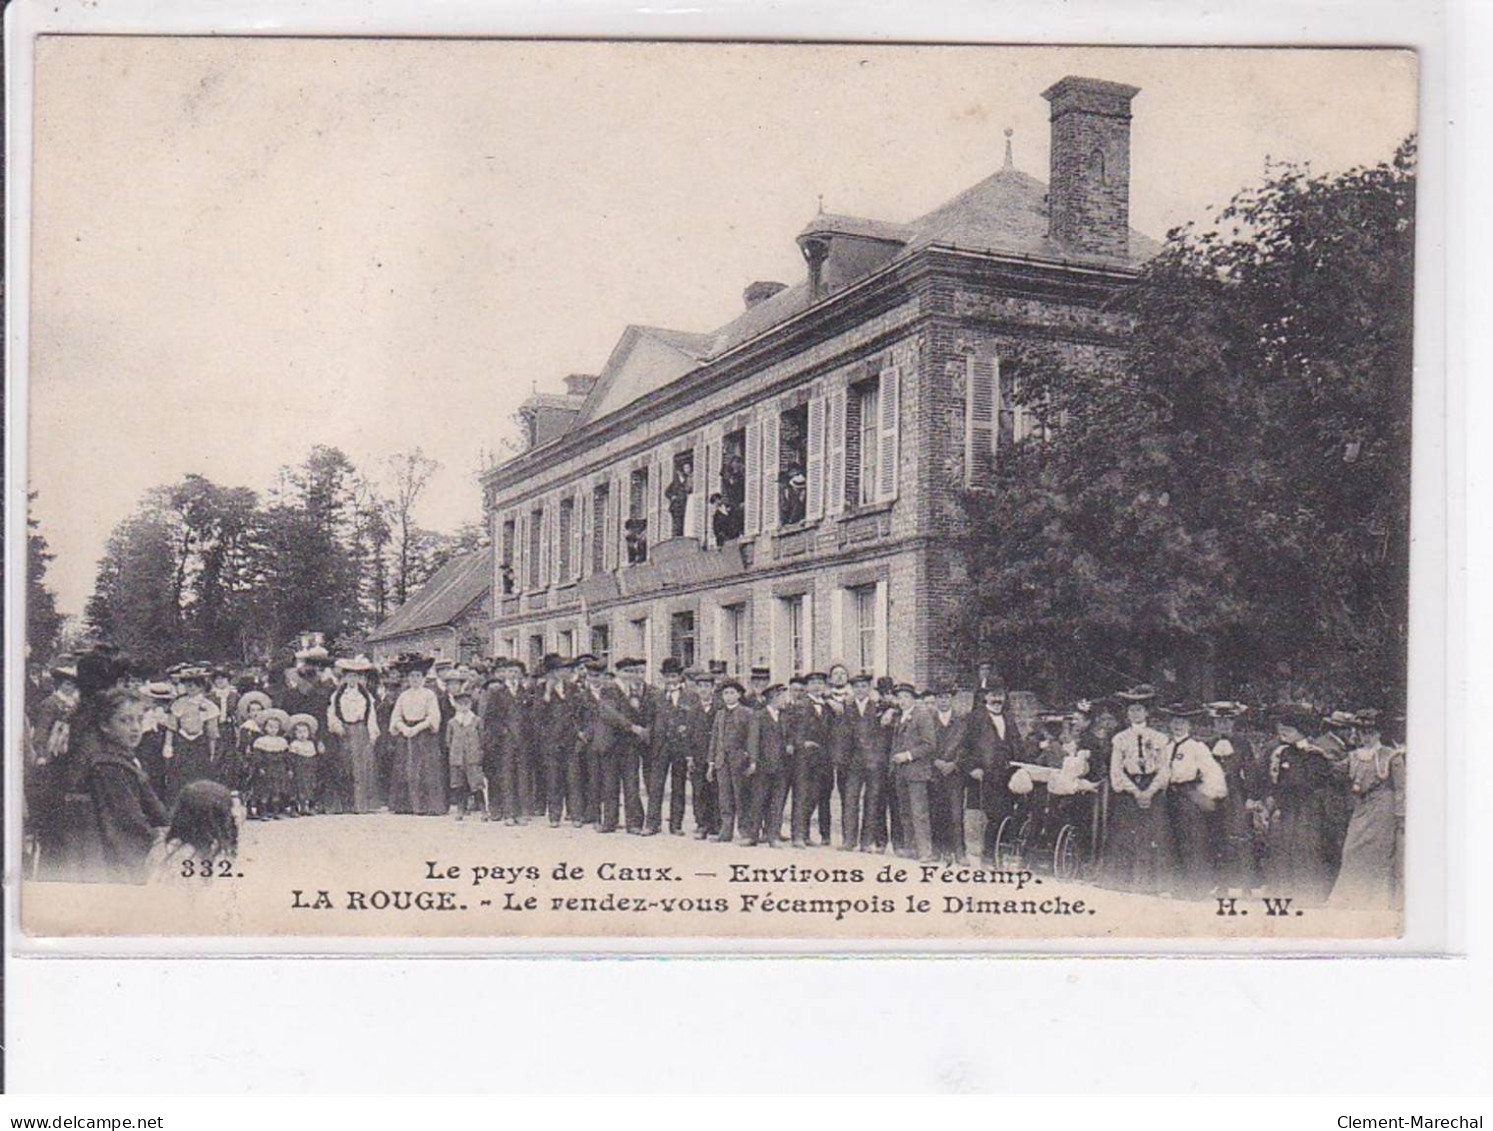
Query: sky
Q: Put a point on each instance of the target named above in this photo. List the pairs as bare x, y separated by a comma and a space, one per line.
245, 247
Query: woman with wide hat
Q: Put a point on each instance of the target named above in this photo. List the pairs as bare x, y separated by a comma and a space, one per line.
416, 726
1370, 874
352, 722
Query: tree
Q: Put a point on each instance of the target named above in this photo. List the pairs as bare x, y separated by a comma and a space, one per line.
43, 621
410, 473
1233, 493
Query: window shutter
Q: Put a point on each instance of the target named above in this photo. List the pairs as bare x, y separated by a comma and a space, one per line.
609, 524
577, 532
886, 458
583, 516
699, 475
753, 517
979, 419
546, 546
654, 533
814, 505
712, 480
522, 567
883, 608
835, 485
770, 468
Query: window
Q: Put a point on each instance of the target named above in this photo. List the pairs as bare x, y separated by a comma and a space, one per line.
735, 637
1015, 421
509, 547
536, 652
682, 638
680, 495
536, 542
796, 633
636, 528
863, 627
601, 643
567, 530
601, 499
793, 464
728, 512
567, 643
868, 400
637, 639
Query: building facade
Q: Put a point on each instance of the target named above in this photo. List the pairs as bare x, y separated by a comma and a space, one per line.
783, 491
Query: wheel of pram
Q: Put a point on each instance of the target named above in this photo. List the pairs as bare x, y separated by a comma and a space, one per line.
1024, 837
1065, 861
1005, 850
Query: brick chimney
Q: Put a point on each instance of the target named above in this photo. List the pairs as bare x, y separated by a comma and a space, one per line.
761, 291
579, 384
1088, 194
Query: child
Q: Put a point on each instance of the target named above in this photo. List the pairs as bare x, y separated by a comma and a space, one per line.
195, 740
249, 712
468, 782
203, 835
302, 760
270, 792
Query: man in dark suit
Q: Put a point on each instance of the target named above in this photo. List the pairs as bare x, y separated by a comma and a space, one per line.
913, 746
992, 742
733, 756
675, 737
627, 715
865, 769
505, 739
702, 783
561, 732
946, 790
813, 720
769, 782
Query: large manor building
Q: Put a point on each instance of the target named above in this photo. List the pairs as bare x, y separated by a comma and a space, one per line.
781, 491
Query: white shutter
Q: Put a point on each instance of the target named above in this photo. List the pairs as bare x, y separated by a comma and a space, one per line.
577, 532
753, 515
522, 566
655, 533
882, 608
609, 523
770, 489
836, 625
980, 401
546, 543
886, 457
808, 627
835, 477
712, 479
583, 516
698, 509
814, 505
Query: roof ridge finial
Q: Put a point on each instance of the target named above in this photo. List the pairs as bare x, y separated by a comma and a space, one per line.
1010, 163
821, 204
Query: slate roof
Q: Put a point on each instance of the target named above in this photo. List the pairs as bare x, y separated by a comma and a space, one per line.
451, 591
1006, 213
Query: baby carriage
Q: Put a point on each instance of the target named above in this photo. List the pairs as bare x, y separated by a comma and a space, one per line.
1051, 824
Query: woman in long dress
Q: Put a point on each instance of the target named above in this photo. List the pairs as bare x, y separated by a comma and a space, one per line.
1369, 876
352, 720
416, 726
1138, 842
1301, 781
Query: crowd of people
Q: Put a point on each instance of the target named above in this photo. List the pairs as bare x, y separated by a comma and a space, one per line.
126, 772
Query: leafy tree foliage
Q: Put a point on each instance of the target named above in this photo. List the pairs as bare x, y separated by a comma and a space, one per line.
205, 571
1231, 498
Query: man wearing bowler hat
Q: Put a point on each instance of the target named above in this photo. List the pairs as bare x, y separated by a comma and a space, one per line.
678, 722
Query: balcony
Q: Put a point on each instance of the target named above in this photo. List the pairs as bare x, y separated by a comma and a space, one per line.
678, 562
